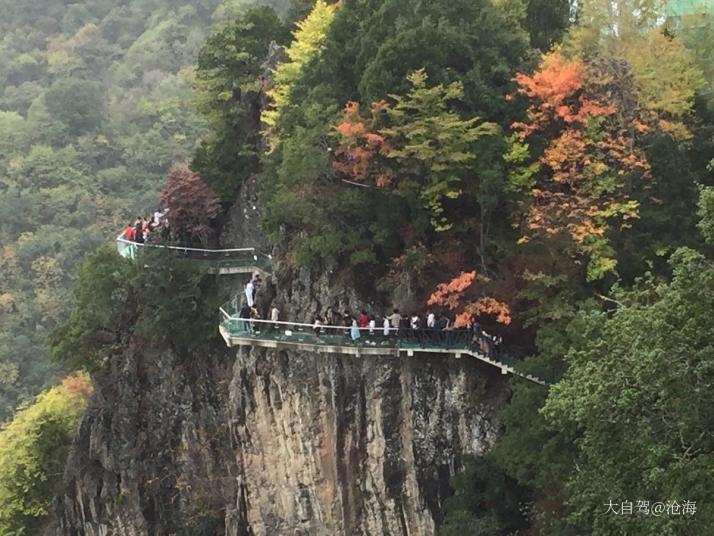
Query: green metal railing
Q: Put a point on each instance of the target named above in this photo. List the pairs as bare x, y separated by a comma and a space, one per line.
222, 260
679, 8
420, 340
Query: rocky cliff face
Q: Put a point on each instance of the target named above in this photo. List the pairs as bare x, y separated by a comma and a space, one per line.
268, 442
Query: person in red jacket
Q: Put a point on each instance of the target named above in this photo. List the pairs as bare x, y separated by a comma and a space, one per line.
362, 319
128, 233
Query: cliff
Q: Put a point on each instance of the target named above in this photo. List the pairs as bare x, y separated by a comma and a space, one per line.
267, 442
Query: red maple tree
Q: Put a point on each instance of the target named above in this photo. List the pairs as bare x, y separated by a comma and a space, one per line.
192, 206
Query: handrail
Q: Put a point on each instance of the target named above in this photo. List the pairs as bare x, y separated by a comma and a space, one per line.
458, 341
198, 250
302, 324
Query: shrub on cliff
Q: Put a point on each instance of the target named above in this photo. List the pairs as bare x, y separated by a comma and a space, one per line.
33, 450
160, 297
102, 294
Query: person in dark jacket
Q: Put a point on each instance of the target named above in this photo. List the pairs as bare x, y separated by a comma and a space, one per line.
139, 231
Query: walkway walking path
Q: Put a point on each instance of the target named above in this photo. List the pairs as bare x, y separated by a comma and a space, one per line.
238, 331
349, 340
222, 261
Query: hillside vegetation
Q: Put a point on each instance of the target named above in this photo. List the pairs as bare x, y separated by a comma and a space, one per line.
96, 102
543, 167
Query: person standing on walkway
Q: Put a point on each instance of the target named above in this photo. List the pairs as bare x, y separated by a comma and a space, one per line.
395, 319
362, 319
274, 316
128, 233
317, 325
244, 315
385, 325
250, 293
372, 324
139, 231
414, 322
354, 331
430, 320
347, 322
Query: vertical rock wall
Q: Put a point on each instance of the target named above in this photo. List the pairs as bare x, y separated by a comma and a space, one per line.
270, 442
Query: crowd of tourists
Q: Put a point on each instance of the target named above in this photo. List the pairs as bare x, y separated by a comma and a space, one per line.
144, 230
431, 328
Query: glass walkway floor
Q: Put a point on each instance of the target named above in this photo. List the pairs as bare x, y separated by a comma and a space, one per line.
238, 331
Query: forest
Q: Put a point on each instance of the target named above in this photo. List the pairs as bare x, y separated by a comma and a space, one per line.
546, 166
97, 100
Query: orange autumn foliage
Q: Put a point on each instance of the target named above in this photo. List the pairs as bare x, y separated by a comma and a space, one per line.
450, 294
453, 295
485, 306
360, 145
79, 384
580, 186
556, 87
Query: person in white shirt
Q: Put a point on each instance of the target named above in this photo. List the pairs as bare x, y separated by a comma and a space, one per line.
431, 320
372, 325
385, 324
249, 292
317, 325
274, 317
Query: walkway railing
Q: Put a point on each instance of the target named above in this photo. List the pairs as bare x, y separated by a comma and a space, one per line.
241, 331
223, 261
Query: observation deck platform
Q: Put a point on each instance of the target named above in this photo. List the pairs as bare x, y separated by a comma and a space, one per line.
237, 332
218, 261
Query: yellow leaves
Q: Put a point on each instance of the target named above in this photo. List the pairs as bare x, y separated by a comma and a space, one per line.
7, 302
47, 271
32, 446
666, 79
309, 39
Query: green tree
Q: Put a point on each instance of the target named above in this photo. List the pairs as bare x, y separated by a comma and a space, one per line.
106, 93
160, 297
103, 305
486, 501
229, 81
426, 147
706, 214
433, 142
76, 103
33, 451
547, 21
637, 392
